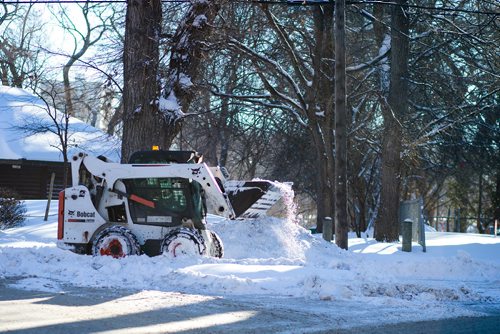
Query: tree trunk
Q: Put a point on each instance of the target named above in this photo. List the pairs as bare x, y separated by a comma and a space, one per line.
225, 121
149, 118
321, 126
143, 123
68, 94
325, 189
341, 222
496, 196
480, 204
226, 118
115, 119
63, 137
387, 227
209, 145
187, 55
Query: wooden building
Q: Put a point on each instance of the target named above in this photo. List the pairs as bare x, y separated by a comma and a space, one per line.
31, 178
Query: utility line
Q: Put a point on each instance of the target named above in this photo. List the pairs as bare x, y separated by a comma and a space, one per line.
268, 2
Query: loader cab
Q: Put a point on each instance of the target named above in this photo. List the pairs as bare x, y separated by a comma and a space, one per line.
165, 201
168, 201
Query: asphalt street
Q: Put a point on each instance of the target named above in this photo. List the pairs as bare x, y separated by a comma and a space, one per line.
84, 310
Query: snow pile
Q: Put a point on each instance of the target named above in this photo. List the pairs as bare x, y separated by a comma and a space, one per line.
274, 257
20, 110
269, 238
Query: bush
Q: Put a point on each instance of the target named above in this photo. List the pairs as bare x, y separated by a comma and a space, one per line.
12, 210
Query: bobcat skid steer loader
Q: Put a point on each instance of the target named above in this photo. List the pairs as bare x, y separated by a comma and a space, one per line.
155, 204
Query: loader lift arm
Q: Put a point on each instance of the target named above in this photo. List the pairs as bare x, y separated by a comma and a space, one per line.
109, 173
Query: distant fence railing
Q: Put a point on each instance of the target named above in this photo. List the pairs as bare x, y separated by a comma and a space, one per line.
456, 223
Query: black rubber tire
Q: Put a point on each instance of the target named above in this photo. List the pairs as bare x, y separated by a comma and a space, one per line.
116, 241
217, 249
183, 242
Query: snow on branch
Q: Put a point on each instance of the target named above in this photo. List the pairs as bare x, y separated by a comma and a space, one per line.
443, 123
301, 104
383, 53
297, 63
189, 45
461, 31
281, 96
260, 100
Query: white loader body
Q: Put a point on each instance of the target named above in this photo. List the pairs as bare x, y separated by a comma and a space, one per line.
84, 212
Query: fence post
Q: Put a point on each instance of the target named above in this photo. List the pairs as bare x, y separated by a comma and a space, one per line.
457, 220
448, 220
406, 232
51, 189
328, 229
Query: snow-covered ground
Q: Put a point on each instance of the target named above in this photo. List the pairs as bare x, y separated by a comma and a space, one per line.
276, 258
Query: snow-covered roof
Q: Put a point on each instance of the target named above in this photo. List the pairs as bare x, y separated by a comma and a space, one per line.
19, 108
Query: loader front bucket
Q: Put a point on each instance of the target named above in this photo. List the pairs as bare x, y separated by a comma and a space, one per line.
252, 199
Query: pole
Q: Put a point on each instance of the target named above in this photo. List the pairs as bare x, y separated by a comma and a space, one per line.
341, 223
480, 203
448, 220
437, 213
406, 232
51, 189
328, 229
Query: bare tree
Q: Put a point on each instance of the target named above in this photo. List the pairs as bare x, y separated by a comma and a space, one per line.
83, 39
387, 227
58, 124
20, 62
304, 90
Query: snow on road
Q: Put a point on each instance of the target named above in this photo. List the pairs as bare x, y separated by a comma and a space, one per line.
276, 258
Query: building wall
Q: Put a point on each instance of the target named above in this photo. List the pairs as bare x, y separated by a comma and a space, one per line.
31, 179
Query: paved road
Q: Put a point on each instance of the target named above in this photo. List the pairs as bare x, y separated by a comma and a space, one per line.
121, 311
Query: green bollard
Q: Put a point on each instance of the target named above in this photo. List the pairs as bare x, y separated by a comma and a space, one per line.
406, 227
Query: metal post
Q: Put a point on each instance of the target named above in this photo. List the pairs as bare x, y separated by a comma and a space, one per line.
51, 189
448, 220
406, 231
328, 228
